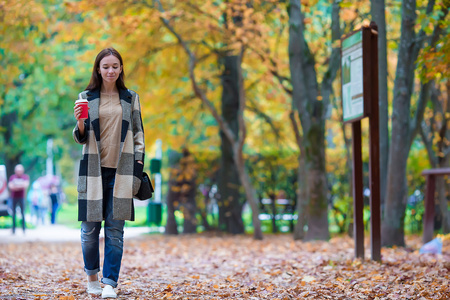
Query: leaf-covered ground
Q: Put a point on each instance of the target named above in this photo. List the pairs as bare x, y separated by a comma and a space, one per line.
206, 267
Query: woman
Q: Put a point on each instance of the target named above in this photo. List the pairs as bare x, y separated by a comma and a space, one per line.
110, 169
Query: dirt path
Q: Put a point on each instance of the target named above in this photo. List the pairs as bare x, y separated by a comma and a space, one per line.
55, 233
202, 267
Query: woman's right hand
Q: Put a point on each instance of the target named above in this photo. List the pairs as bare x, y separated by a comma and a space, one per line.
80, 122
77, 112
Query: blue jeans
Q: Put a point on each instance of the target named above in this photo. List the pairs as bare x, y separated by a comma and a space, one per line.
54, 210
113, 237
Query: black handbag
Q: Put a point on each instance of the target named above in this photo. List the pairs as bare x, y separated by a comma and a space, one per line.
146, 189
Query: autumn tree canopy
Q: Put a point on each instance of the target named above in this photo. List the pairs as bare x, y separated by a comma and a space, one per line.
288, 89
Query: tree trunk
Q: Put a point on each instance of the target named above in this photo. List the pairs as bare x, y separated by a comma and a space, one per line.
171, 224
396, 190
173, 195
238, 141
250, 193
379, 16
230, 206
188, 193
403, 128
204, 211
443, 162
189, 212
311, 103
443, 203
302, 199
10, 155
302, 186
318, 200
274, 212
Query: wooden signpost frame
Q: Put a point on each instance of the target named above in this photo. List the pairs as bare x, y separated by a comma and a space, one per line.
371, 110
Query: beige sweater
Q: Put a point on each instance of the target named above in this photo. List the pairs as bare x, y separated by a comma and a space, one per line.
110, 115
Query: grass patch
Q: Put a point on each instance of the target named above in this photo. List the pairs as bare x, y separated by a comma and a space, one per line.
68, 216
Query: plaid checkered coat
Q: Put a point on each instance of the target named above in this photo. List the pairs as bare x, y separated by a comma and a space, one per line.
129, 171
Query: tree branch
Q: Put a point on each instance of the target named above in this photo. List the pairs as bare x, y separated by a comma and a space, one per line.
420, 38
192, 63
335, 57
425, 88
274, 71
31, 111
266, 118
427, 142
418, 116
241, 121
298, 136
197, 9
296, 63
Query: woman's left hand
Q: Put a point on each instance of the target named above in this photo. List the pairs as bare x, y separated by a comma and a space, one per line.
140, 161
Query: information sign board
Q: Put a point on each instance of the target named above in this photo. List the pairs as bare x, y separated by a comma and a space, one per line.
352, 77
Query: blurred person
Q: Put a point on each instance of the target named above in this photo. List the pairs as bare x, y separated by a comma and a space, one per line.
35, 198
44, 206
18, 184
110, 169
55, 199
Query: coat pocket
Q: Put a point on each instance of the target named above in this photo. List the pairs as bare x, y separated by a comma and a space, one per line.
137, 176
82, 176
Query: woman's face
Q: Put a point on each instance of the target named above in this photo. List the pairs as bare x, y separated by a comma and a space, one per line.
110, 68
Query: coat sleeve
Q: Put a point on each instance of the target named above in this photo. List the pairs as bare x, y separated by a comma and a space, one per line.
81, 139
138, 131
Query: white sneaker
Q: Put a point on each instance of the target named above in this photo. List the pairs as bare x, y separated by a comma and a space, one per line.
93, 287
108, 292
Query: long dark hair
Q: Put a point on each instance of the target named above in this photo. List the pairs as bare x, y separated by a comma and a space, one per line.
96, 79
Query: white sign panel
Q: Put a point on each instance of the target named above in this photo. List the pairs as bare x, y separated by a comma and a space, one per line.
352, 77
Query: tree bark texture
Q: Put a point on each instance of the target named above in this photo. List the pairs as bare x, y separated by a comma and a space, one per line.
302, 200
238, 148
172, 195
302, 186
312, 103
443, 203
7, 122
182, 192
250, 193
273, 200
404, 128
230, 206
317, 184
188, 190
394, 214
171, 224
378, 14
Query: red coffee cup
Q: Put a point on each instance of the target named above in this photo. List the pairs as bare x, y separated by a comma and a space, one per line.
83, 103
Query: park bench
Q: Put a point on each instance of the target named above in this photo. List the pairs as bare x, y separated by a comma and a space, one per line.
428, 221
284, 210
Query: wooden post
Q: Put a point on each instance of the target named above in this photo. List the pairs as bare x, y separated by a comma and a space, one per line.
428, 220
360, 49
371, 87
358, 201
